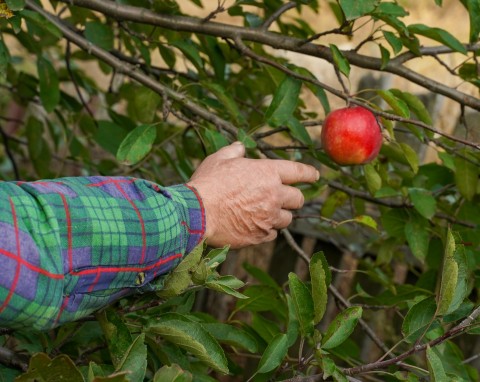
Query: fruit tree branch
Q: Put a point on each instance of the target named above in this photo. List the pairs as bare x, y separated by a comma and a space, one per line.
132, 72
464, 325
274, 40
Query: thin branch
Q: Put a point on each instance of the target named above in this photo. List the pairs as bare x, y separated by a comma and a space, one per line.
132, 72
460, 328
11, 359
220, 8
334, 291
274, 40
393, 203
275, 15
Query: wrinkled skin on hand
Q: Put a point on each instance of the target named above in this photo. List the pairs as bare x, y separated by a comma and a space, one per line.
247, 200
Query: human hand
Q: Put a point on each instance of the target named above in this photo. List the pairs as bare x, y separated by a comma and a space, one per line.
247, 200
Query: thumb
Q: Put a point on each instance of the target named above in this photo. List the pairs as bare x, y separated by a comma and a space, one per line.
235, 150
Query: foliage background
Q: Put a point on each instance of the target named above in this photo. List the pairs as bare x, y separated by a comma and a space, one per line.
97, 87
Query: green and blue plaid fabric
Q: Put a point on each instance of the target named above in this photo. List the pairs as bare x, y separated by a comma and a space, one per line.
73, 245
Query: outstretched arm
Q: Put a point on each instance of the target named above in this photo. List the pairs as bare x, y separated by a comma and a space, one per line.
71, 246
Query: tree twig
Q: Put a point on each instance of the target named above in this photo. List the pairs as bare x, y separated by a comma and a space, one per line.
11, 359
334, 291
275, 15
275, 40
416, 349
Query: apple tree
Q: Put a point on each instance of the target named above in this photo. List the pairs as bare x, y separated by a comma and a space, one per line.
389, 287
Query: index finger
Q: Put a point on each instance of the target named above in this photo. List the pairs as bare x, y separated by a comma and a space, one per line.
294, 172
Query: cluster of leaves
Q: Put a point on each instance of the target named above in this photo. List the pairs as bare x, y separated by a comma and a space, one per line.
85, 90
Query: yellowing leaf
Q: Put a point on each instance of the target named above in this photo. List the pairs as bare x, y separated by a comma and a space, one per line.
5, 12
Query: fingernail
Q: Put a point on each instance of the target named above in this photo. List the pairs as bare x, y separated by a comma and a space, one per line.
237, 143
318, 176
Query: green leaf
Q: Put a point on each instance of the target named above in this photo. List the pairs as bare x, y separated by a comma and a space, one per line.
266, 329
110, 135
226, 101
385, 54
391, 9
116, 333
353, 9
293, 326
41, 22
168, 55
340, 61
418, 237
180, 278
419, 317
246, 139
466, 177
435, 366
411, 156
232, 335
372, 177
4, 56
320, 277
135, 360
217, 256
394, 41
99, 34
15, 5
261, 298
473, 7
190, 50
398, 106
303, 302
49, 84
38, 149
299, 131
274, 354
260, 275
173, 373
341, 327
439, 35
219, 286
317, 91
462, 289
143, 104
423, 201
137, 144
192, 337
415, 105
284, 102
366, 220
43, 368
449, 276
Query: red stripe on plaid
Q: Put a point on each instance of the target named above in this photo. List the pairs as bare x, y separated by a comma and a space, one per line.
192, 231
31, 266
90, 288
126, 269
69, 232
17, 257
200, 201
110, 181
62, 308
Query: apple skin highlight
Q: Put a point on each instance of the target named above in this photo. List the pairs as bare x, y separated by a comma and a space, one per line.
351, 136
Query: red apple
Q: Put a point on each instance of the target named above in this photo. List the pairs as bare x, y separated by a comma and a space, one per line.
351, 135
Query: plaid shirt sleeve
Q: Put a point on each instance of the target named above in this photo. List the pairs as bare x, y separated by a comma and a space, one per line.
73, 245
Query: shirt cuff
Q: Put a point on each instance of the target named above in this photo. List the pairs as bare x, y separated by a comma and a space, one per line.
191, 210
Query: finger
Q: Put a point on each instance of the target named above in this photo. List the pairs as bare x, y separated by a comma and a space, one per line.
292, 198
283, 220
294, 172
235, 150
